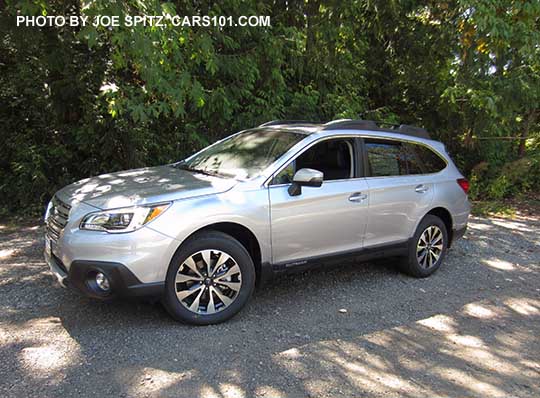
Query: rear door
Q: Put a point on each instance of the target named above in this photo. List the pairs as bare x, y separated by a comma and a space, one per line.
320, 221
399, 192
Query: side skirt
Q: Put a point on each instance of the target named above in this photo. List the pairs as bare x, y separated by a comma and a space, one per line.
369, 253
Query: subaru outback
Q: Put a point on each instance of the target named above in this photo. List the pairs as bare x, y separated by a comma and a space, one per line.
200, 234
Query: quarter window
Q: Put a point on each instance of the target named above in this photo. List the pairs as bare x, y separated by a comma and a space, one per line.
414, 164
431, 162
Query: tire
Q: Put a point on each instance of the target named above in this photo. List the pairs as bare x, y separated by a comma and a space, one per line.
218, 292
420, 263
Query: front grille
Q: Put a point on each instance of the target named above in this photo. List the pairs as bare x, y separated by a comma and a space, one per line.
57, 219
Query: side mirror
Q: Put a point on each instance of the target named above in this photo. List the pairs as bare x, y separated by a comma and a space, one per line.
307, 178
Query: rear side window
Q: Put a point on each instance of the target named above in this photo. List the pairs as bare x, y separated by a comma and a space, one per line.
393, 158
385, 158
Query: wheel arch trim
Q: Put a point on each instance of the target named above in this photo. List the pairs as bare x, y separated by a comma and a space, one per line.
247, 238
445, 215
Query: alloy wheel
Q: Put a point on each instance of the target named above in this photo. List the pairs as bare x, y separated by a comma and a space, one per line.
208, 281
430, 246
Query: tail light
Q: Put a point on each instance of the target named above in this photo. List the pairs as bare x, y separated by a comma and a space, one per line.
464, 184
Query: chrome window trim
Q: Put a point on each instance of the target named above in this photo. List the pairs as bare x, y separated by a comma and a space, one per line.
267, 184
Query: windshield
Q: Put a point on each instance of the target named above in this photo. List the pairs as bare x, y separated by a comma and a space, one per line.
243, 155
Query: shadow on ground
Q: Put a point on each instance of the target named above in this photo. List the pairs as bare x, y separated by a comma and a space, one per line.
469, 330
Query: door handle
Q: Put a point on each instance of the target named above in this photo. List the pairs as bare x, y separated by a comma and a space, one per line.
357, 197
421, 188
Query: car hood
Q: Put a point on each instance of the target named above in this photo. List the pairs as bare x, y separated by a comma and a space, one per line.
142, 186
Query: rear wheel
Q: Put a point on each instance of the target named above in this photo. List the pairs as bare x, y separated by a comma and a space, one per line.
210, 279
427, 248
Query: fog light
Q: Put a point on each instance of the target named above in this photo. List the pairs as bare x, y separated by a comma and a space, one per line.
102, 282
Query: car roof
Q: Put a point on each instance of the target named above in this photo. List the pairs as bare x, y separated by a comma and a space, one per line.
365, 127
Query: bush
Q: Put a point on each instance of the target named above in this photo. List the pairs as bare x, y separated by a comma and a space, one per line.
514, 178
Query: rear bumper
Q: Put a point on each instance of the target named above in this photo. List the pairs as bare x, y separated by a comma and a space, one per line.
81, 277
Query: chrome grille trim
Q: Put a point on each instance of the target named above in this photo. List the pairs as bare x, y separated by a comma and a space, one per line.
57, 219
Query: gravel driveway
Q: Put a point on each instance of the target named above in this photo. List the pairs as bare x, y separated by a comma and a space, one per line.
472, 329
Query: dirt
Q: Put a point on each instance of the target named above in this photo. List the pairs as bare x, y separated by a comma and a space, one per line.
365, 329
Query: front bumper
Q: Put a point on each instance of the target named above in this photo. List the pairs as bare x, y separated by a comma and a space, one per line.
134, 263
81, 276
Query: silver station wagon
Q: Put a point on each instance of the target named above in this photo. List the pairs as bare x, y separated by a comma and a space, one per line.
201, 233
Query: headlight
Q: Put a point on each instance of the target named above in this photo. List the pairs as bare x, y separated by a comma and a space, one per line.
125, 219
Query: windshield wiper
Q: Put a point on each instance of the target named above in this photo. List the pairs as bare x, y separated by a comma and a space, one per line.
202, 171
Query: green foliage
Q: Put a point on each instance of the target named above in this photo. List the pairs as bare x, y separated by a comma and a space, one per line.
498, 182
82, 101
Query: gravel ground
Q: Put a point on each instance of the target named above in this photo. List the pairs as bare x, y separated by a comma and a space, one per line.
359, 330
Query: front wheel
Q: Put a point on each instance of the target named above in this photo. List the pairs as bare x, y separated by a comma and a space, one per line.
210, 278
427, 248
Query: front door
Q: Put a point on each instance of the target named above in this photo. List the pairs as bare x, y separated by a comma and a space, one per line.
330, 219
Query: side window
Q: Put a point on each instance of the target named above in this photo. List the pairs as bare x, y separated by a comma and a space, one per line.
394, 158
385, 158
431, 162
333, 157
411, 154
285, 176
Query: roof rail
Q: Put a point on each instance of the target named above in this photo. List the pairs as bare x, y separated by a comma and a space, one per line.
350, 124
280, 122
347, 124
414, 131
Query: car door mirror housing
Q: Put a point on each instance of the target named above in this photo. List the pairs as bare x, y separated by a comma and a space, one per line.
306, 178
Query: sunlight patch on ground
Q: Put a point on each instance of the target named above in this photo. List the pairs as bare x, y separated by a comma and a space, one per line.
512, 225
441, 323
292, 353
524, 306
46, 358
435, 354
6, 253
478, 226
231, 391
468, 382
226, 390
151, 381
269, 391
478, 311
467, 341
499, 264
